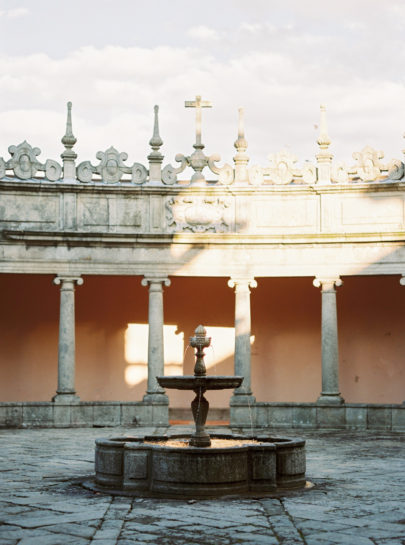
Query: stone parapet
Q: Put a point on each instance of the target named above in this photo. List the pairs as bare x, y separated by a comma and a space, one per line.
349, 416
43, 414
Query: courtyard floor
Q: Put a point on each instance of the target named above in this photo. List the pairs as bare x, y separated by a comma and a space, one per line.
358, 497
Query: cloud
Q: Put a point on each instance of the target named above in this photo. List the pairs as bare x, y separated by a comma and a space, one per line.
14, 13
202, 32
114, 89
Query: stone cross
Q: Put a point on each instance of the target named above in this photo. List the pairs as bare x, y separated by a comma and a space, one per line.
198, 104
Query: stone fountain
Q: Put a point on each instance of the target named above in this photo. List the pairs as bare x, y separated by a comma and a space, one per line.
199, 465
200, 383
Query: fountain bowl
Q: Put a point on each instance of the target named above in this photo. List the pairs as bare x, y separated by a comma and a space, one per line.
150, 467
207, 382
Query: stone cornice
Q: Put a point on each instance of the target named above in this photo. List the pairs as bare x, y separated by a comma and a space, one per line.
75, 238
63, 186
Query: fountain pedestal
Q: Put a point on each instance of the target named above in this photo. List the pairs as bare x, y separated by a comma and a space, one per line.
199, 408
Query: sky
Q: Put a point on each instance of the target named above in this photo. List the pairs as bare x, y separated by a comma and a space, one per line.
279, 60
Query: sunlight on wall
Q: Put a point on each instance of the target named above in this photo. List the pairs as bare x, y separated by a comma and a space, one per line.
222, 345
136, 352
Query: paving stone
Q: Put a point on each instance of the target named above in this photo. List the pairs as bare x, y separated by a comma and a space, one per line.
257, 539
339, 538
61, 539
105, 541
73, 529
272, 507
358, 498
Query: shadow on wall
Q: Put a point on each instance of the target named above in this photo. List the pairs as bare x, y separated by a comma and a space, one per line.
29, 337
286, 360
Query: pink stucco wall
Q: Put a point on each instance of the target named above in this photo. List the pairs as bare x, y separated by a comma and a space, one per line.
286, 352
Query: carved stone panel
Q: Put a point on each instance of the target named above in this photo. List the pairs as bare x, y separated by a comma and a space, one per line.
286, 215
29, 210
378, 210
362, 213
93, 212
130, 212
199, 214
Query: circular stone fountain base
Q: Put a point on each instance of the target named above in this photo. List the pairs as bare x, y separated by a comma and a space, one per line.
153, 466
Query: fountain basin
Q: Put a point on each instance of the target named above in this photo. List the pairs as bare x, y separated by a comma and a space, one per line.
148, 467
207, 382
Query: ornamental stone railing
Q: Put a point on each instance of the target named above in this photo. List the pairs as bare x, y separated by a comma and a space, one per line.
282, 169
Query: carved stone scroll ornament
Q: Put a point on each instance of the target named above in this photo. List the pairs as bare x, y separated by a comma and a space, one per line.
281, 169
368, 167
2, 168
225, 173
308, 173
198, 214
396, 170
256, 175
169, 173
111, 168
340, 174
25, 164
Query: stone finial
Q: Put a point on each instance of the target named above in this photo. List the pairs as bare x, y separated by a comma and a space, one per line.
156, 142
241, 159
323, 139
155, 157
324, 157
69, 140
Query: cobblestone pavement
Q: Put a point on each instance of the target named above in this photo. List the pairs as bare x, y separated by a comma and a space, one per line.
358, 497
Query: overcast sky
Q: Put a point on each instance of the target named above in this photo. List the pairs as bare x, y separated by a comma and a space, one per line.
278, 59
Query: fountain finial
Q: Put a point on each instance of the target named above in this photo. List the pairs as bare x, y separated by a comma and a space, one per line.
200, 341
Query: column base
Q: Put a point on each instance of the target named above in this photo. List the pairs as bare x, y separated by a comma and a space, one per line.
330, 399
156, 398
243, 399
66, 398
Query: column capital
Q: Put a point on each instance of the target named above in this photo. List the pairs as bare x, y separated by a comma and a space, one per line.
327, 284
63, 280
242, 283
150, 279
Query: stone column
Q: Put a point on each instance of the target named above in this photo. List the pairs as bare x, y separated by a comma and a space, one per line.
243, 394
330, 353
66, 392
154, 393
